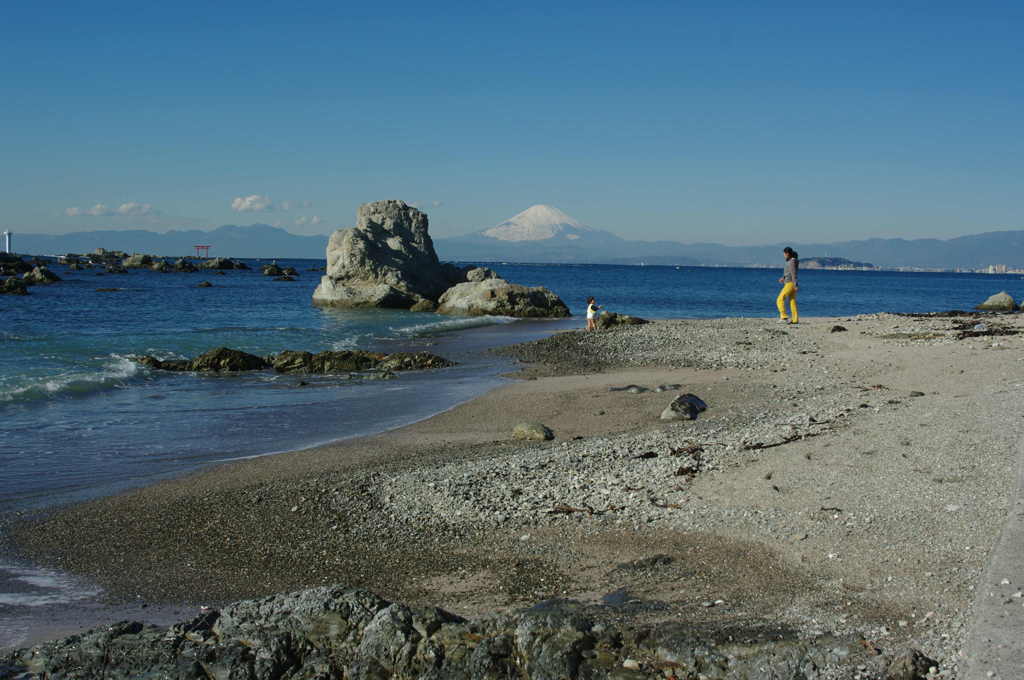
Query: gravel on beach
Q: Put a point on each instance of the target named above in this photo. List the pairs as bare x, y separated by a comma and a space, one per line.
845, 481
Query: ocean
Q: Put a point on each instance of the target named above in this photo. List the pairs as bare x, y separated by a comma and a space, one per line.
79, 418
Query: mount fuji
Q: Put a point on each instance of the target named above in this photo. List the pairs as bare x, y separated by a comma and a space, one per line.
543, 233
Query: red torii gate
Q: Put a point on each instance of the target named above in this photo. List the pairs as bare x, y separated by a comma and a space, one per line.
202, 251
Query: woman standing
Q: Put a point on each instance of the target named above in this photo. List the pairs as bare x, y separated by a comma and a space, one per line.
789, 287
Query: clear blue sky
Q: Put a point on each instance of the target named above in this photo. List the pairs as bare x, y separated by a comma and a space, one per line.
735, 122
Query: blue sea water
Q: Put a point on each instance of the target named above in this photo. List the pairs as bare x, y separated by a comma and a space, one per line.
79, 418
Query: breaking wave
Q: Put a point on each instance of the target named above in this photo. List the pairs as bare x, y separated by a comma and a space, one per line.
453, 324
116, 372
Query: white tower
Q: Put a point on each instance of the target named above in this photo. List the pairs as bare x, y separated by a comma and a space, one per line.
7, 241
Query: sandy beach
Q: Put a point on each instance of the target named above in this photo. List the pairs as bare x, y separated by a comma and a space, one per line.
851, 481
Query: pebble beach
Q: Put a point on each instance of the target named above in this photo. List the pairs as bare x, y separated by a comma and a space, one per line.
850, 476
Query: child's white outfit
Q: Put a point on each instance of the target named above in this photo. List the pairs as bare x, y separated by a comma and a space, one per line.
591, 311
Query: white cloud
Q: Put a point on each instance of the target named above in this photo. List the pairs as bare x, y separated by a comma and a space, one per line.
133, 209
97, 210
437, 204
254, 203
315, 219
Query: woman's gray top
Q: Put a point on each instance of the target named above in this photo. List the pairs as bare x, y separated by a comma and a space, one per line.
789, 271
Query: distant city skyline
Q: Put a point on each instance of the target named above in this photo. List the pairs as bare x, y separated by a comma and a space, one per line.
733, 124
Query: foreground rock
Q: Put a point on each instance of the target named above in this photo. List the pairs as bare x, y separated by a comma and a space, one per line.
224, 359
331, 632
1000, 302
388, 260
498, 297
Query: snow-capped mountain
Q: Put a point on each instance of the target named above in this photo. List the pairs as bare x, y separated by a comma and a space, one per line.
537, 223
543, 233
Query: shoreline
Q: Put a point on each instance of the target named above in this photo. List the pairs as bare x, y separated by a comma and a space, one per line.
821, 499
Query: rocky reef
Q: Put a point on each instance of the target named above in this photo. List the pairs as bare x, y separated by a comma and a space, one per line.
388, 260
333, 632
225, 359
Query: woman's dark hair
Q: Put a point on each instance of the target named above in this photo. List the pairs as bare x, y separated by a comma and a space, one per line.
792, 253
590, 299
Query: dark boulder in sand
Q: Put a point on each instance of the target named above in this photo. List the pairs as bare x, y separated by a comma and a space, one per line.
612, 319
684, 407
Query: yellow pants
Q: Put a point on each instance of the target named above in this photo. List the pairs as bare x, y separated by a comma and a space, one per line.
788, 291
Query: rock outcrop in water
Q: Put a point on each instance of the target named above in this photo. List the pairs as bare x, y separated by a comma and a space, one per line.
13, 286
225, 359
388, 260
332, 632
40, 275
498, 297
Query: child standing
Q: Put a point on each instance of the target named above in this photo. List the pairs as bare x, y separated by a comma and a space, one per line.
591, 314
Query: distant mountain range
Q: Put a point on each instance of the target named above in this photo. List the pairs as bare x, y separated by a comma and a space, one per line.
546, 234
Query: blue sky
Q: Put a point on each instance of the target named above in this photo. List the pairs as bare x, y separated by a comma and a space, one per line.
734, 122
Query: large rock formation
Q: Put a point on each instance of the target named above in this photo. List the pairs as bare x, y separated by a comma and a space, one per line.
332, 632
498, 297
386, 260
